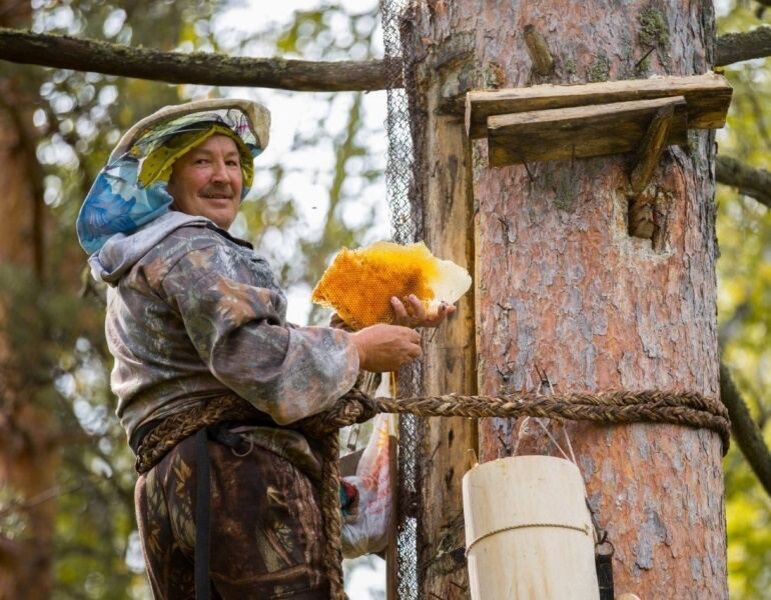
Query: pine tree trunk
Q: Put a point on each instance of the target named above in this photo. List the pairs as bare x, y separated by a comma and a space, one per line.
28, 452
560, 282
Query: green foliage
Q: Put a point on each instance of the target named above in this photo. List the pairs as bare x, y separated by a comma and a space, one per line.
744, 302
306, 27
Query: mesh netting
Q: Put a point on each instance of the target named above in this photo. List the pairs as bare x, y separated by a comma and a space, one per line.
406, 227
399, 167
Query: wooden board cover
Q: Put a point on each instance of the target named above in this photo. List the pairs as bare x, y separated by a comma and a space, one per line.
708, 98
579, 132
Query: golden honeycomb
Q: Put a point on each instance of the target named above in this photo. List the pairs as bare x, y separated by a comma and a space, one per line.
359, 284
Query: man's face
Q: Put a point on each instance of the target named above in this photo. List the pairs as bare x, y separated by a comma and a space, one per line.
207, 181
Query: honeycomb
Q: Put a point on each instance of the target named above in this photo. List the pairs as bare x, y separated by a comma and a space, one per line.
359, 284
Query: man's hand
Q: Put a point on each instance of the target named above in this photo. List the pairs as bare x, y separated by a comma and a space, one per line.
412, 313
386, 347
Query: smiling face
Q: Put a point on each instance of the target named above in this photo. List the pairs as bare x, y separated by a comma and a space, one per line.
207, 181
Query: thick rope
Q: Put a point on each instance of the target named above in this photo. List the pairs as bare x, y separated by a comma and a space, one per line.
172, 430
331, 514
682, 408
677, 408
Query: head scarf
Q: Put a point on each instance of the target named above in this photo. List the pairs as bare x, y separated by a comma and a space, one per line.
130, 191
158, 164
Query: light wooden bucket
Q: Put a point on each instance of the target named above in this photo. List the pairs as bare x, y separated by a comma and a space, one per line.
528, 531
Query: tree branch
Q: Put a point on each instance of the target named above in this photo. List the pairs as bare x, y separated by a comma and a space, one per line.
66, 52
749, 180
736, 47
746, 433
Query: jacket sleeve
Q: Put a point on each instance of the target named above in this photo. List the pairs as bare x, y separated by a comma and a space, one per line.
238, 330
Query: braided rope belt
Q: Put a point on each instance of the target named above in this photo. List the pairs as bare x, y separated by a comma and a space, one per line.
678, 408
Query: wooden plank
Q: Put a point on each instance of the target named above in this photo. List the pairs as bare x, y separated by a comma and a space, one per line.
708, 97
538, 51
391, 554
651, 147
449, 358
579, 132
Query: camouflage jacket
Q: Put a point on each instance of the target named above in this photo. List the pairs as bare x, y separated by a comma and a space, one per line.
193, 313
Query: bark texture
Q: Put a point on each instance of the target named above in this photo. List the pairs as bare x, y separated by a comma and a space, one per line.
561, 284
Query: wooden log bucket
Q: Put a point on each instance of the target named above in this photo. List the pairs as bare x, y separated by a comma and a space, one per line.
529, 533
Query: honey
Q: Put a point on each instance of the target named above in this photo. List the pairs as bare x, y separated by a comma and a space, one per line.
359, 284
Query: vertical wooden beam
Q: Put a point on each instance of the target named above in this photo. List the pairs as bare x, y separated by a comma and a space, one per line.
391, 554
448, 363
449, 351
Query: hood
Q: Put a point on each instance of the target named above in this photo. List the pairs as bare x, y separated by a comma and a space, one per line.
121, 252
130, 191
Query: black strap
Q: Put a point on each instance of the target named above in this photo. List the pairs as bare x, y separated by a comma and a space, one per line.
604, 564
202, 517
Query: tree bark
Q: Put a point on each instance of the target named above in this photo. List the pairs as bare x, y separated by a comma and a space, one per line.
561, 284
200, 68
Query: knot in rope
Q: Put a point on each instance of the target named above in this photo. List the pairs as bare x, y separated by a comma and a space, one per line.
354, 407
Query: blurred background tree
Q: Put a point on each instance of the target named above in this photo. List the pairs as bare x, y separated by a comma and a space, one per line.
744, 300
66, 474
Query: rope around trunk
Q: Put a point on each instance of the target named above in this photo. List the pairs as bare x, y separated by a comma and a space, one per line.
678, 408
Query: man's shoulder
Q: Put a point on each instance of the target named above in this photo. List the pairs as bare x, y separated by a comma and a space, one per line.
197, 236
193, 236
188, 240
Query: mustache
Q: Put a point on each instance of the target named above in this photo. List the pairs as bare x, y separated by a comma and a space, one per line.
217, 190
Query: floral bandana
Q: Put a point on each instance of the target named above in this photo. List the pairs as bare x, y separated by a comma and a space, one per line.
130, 191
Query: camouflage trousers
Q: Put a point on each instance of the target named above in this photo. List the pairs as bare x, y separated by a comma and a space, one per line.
266, 536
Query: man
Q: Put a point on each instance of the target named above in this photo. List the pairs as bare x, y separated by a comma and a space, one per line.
194, 316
